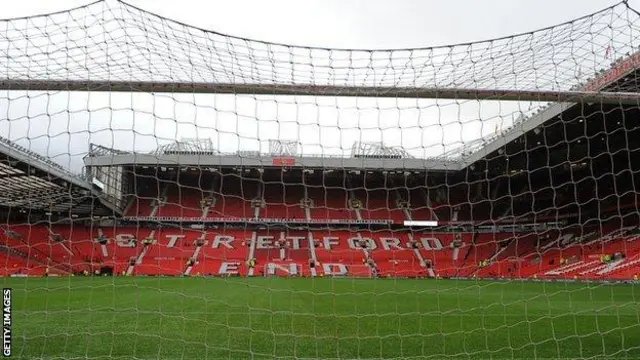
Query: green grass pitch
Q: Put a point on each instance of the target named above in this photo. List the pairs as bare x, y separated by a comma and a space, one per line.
262, 318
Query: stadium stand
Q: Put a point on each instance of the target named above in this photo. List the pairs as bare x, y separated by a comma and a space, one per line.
352, 229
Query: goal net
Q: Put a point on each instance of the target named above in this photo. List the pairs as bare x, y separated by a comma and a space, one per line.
172, 192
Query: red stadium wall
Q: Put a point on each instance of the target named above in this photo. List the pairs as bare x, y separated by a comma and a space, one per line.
177, 252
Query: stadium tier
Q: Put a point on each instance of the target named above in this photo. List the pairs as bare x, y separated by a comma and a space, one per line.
607, 252
234, 196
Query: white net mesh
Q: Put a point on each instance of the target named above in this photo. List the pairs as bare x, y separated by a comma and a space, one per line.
172, 162
112, 41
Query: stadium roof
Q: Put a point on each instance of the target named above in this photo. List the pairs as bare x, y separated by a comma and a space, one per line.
366, 156
29, 181
617, 77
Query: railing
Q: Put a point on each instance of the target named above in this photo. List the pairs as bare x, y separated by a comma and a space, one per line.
253, 220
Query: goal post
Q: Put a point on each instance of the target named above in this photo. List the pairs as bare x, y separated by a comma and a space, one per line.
523, 67
603, 97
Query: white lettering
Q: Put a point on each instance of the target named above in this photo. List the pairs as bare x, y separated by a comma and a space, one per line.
125, 240
229, 268
295, 241
354, 243
222, 240
173, 239
431, 243
264, 242
389, 243
290, 269
334, 269
6, 347
371, 244
329, 241
6, 322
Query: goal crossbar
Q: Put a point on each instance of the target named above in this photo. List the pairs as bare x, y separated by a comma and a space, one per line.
621, 98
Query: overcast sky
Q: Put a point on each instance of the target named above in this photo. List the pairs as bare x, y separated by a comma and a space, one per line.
58, 125
365, 24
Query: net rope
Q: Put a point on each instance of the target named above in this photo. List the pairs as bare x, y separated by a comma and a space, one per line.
114, 41
499, 215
